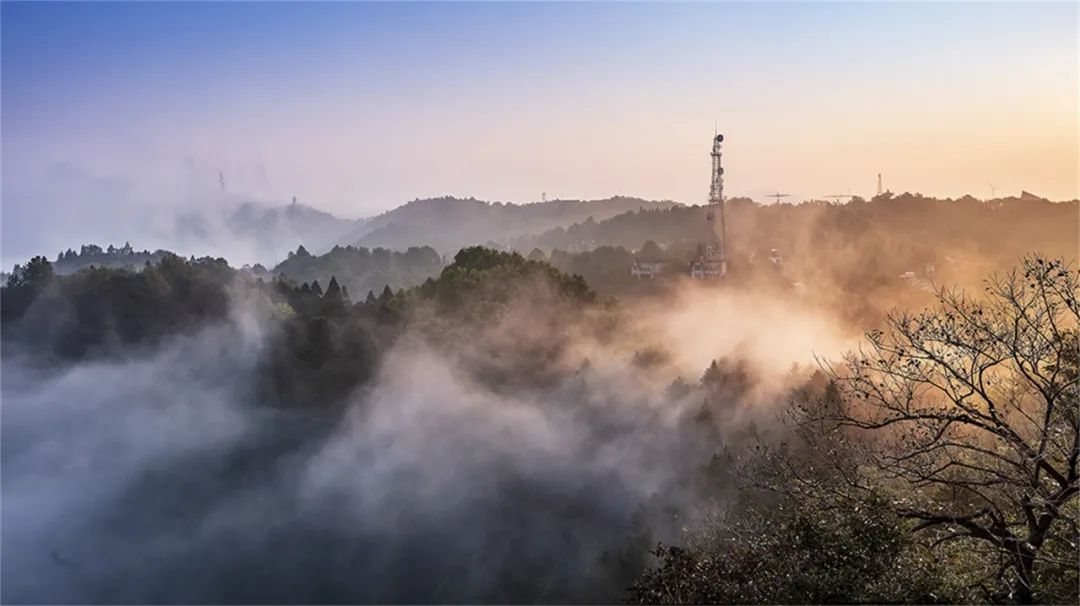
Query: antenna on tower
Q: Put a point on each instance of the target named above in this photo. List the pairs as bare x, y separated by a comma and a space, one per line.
221, 180
718, 264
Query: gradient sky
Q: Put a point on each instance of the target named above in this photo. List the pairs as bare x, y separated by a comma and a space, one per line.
356, 108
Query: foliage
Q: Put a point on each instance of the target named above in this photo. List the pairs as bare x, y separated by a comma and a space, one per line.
978, 408
358, 270
956, 430
92, 255
99, 309
807, 551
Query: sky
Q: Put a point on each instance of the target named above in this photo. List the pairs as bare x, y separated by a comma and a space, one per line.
107, 109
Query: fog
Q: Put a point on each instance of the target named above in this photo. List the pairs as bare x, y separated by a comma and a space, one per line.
179, 208
160, 478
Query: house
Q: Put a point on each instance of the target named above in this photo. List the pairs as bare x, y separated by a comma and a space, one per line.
646, 269
705, 267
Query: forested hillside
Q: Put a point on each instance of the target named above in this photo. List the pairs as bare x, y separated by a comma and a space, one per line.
359, 270
502, 416
448, 224
912, 228
125, 257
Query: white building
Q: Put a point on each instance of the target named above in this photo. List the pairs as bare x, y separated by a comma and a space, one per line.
646, 269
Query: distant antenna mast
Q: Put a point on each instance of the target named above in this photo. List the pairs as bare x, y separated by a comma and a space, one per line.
221, 180
879, 184
716, 198
993, 191
776, 197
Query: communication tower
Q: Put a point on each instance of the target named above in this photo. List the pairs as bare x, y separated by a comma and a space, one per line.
713, 263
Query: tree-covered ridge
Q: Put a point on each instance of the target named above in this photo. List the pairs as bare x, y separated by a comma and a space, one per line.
357, 269
939, 464
887, 235
450, 223
325, 344
484, 273
100, 309
71, 261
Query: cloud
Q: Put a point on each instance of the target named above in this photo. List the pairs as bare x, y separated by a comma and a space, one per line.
160, 478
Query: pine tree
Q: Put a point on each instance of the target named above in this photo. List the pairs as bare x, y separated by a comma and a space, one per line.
386, 295
333, 291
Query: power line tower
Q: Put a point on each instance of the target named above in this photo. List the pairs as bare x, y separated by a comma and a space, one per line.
879, 184
776, 197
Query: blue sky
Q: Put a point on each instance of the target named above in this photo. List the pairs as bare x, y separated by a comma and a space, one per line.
355, 108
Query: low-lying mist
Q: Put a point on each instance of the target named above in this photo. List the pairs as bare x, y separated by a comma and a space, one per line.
160, 477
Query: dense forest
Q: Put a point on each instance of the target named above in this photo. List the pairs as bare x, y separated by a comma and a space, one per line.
359, 270
535, 439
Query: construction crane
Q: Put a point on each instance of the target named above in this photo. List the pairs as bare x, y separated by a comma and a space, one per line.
777, 196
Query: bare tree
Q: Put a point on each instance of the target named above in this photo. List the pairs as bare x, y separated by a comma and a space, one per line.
975, 415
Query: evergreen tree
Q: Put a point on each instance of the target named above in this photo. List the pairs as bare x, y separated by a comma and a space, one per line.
385, 295
333, 291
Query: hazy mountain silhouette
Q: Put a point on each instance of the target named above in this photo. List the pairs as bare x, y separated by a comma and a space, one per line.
449, 223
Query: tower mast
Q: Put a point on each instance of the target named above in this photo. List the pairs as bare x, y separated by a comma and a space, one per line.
716, 199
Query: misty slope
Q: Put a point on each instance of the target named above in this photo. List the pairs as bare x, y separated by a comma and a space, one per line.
452, 475
253, 232
359, 270
1003, 228
451, 223
498, 434
311, 225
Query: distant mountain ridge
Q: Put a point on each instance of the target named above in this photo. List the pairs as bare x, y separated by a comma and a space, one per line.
449, 223
311, 225
252, 232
